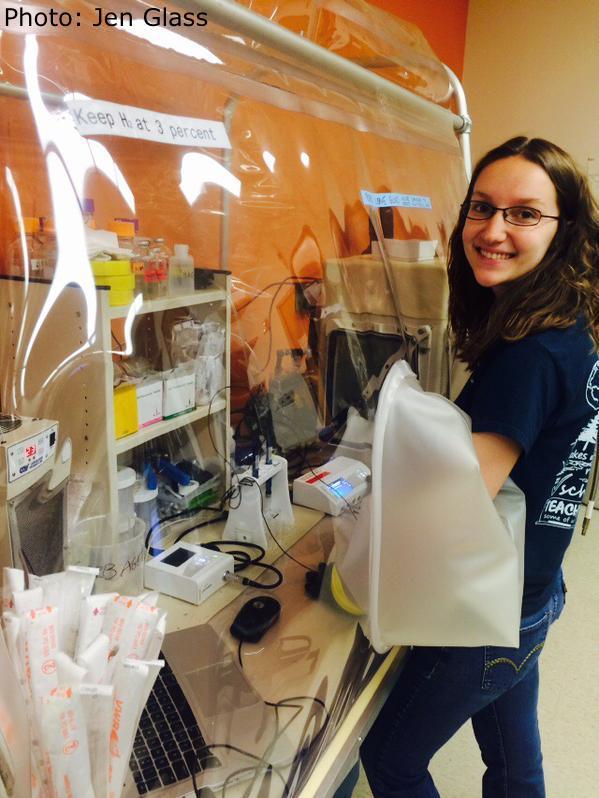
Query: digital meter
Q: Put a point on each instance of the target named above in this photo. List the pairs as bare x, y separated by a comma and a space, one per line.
334, 487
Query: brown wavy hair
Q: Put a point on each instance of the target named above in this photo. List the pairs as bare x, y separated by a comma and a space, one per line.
560, 289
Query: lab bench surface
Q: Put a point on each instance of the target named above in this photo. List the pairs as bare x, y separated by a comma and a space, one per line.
314, 656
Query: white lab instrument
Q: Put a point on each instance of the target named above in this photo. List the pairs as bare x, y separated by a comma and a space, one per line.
33, 477
188, 571
263, 499
334, 487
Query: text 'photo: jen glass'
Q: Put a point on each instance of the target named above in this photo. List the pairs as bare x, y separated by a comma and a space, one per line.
16, 16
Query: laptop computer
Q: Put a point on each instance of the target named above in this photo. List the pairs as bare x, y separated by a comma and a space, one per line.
203, 714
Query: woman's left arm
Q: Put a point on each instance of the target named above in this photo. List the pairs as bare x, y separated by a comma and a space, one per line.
497, 455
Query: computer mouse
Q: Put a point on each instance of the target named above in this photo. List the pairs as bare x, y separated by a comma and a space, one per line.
255, 617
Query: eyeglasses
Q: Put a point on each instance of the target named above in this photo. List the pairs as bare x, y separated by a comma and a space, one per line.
519, 215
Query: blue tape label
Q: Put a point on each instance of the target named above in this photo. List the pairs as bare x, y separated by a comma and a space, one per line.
390, 200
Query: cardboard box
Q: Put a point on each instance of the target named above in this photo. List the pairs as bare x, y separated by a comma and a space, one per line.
149, 401
125, 410
179, 391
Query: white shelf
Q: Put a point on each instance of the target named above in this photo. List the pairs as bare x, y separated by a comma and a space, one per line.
202, 297
162, 427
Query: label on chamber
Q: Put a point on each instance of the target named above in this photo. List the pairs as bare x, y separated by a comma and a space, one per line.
392, 200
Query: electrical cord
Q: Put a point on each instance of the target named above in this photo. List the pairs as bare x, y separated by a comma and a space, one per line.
291, 280
193, 757
241, 560
285, 551
176, 516
277, 735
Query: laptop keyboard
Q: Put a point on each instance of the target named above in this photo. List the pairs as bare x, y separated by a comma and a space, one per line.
168, 741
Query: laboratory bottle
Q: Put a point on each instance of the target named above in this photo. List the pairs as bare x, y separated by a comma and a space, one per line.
49, 248
34, 247
139, 259
125, 232
159, 254
180, 271
87, 212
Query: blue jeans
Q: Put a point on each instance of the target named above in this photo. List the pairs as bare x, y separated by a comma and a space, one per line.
438, 690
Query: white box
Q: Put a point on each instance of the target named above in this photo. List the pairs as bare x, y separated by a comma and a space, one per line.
412, 249
149, 401
179, 392
188, 572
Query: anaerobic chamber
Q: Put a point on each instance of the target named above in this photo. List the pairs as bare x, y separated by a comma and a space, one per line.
195, 229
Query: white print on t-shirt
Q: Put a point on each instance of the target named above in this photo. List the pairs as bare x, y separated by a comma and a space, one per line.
561, 509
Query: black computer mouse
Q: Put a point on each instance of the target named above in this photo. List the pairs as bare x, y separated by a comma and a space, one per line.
255, 617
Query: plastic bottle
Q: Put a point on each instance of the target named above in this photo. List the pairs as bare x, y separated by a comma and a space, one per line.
159, 257
180, 271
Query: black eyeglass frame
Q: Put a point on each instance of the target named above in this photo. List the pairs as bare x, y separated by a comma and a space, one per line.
468, 206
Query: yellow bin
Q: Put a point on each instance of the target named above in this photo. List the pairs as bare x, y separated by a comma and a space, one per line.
110, 268
125, 410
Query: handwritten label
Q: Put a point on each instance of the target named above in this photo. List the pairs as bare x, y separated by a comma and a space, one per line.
390, 200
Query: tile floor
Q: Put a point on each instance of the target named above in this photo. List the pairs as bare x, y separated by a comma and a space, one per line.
569, 701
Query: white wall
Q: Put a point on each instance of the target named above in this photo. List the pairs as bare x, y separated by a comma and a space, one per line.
532, 67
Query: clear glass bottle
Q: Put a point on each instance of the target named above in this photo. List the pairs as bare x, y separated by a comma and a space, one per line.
160, 254
49, 248
34, 245
139, 259
125, 232
87, 212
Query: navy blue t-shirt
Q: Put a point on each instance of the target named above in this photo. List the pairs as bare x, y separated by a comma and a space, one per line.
543, 393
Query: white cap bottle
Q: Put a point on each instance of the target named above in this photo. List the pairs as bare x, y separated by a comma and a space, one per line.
180, 272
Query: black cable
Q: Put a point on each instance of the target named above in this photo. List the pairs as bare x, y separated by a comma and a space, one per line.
291, 280
251, 583
257, 561
269, 767
270, 309
215, 544
239, 654
285, 551
121, 345
258, 759
182, 514
191, 760
225, 459
278, 733
300, 698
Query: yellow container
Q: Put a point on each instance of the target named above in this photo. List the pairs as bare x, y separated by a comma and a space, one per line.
122, 282
118, 298
125, 410
110, 268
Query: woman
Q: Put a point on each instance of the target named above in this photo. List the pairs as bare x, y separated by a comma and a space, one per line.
524, 311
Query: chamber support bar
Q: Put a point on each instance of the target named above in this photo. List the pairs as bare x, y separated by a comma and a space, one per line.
463, 132
239, 19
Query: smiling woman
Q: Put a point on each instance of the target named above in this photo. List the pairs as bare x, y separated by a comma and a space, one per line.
524, 294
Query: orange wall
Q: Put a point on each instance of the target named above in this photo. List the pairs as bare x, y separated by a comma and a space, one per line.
442, 23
